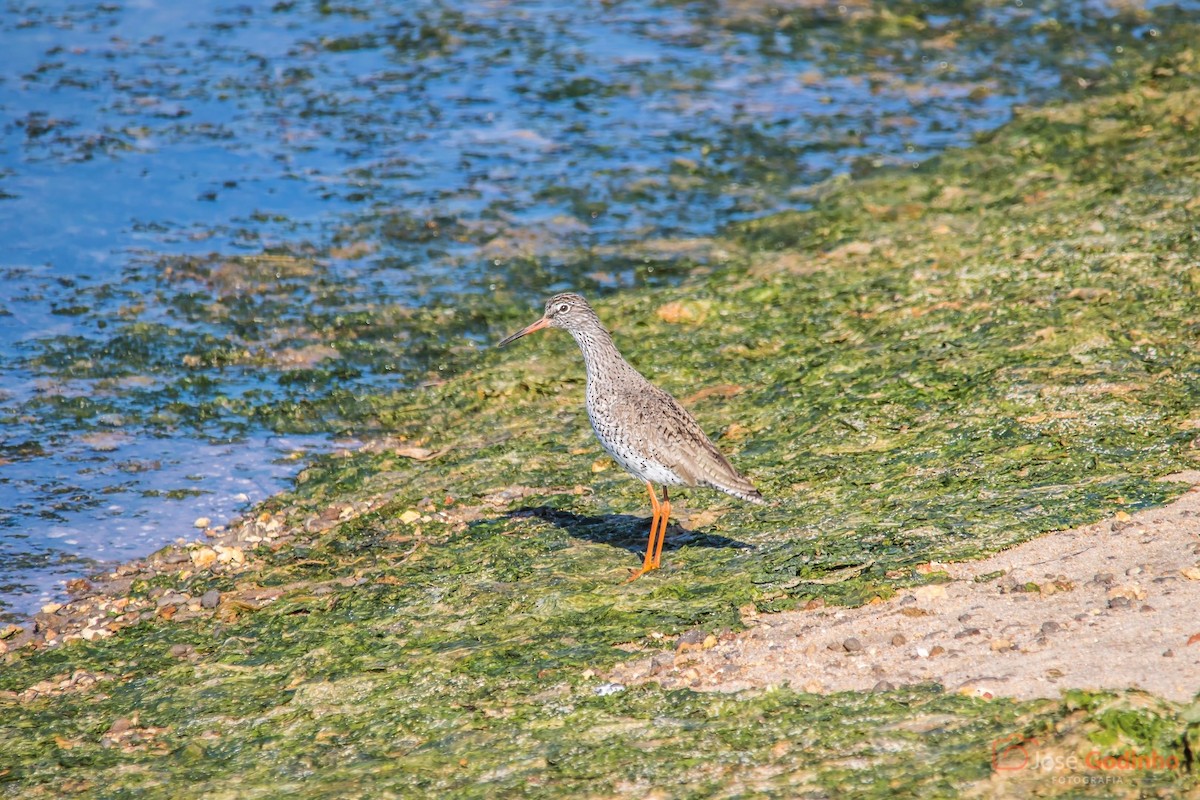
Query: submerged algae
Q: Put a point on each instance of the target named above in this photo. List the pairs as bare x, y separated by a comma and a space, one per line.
960, 357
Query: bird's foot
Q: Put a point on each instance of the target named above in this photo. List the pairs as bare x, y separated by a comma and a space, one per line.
637, 573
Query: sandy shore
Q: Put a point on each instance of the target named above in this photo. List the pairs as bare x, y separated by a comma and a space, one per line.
1105, 606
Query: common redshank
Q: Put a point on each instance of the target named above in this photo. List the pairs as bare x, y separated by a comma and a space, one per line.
642, 427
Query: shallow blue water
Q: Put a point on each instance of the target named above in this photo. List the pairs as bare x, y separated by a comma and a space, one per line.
134, 132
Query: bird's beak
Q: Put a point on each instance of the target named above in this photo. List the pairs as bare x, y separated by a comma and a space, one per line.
537, 326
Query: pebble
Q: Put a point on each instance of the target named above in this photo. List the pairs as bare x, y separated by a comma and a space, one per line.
1000, 645
898, 640
965, 632
1168, 654
690, 640
202, 522
1119, 602
883, 686
172, 599
210, 599
1129, 591
173, 557
181, 650
1051, 627
203, 557
852, 645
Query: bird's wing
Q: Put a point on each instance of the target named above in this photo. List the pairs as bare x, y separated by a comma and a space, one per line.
674, 438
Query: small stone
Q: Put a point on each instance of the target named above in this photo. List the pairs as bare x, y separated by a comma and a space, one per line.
181, 650
898, 640
1130, 591
1000, 645
210, 599
936, 651
52, 608
172, 599
883, 686
1119, 602
1051, 627
120, 725
172, 557
1191, 573
691, 640
91, 634
1168, 654
965, 632
202, 522
79, 586
410, 516
852, 645
230, 555
203, 557
1104, 578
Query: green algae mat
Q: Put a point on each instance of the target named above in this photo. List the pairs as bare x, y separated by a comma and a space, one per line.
926, 365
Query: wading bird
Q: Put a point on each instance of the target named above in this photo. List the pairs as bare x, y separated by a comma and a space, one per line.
642, 427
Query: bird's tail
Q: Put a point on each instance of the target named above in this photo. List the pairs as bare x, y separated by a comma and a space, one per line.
742, 490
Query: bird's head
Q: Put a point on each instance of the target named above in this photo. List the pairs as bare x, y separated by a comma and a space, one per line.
568, 311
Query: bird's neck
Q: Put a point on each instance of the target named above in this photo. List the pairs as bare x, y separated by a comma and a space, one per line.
600, 355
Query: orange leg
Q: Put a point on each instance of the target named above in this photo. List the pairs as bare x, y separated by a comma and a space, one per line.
649, 563
664, 518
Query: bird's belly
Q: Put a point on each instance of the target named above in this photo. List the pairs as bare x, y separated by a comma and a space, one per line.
632, 457
646, 469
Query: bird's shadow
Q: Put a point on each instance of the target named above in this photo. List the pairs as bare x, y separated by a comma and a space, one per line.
622, 530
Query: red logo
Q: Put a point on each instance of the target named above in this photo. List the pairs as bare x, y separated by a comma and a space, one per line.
1010, 752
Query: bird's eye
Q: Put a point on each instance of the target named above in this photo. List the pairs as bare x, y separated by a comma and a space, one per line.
562, 308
